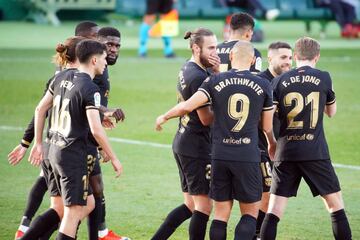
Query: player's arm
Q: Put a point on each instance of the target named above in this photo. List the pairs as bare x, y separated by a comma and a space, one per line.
100, 136
330, 109
267, 127
182, 108
45, 104
18, 153
206, 115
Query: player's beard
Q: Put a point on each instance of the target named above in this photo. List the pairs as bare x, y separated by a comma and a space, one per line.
204, 60
280, 69
111, 60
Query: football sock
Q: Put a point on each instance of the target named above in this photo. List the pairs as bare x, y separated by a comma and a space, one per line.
35, 197
197, 227
47, 235
24, 224
259, 221
102, 225
94, 220
218, 230
42, 224
246, 228
174, 219
167, 46
269, 227
62, 236
340, 225
143, 36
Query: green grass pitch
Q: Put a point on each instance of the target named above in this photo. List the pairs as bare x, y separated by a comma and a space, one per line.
149, 188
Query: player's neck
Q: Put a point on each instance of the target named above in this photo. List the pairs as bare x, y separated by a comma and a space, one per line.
87, 70
197, 61
237, 37
241, 67
271, 70
303, 63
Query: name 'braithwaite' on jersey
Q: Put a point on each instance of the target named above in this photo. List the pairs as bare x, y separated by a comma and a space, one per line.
301, 96
238, 99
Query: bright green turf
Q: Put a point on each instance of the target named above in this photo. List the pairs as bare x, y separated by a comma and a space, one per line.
139, 200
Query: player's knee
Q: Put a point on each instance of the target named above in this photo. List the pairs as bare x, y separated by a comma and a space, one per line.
334, 202
97, 186
58, 206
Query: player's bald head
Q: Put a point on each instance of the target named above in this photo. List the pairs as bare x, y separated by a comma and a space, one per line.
243, 51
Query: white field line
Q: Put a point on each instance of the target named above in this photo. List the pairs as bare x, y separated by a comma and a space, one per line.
157, 145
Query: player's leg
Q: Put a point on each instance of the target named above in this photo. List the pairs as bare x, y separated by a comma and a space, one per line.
179, 214
197, 176
266, 175
340, 224
246, 227
35, 198
247, 189
46, 221
286, 178
322, 180
175, 218
222, 193
218, 226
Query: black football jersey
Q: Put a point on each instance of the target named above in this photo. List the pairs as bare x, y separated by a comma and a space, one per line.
301, 96
73, 93
223, 50
192, 138
263, 145
238, 99
102, 81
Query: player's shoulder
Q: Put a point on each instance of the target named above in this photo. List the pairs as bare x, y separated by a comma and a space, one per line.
225, 47
191, 71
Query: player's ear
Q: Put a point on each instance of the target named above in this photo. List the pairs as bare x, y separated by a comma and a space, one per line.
196, 49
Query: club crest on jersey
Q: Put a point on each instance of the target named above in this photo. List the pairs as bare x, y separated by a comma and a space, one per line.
97, 99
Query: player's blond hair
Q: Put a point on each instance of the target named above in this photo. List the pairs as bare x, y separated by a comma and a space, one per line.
65, 52
307, 48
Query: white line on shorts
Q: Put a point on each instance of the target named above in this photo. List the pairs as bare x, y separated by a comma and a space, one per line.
157, 145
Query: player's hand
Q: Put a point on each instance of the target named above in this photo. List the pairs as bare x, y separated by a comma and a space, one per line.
104, 157
116, 113
160, 121
215, 61
17, 154
117, 167
271, 150
36, 155
107, 123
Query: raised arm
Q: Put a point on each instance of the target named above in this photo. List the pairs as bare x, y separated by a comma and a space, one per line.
182, 108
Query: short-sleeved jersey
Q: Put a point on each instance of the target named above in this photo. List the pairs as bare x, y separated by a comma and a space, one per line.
238, 99
192, 138
301, 96
263, 145
73, 93
223, 50
102, 81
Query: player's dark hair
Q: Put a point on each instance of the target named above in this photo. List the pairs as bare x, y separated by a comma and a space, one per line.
197, 36
65, 52
109, 31
242, 21
278, 45
84, 28
306, 48
88, 48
